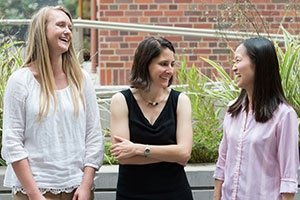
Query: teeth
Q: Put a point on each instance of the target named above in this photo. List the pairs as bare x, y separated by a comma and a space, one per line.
64, 39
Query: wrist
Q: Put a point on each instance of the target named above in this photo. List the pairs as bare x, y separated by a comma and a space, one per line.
147, 151
88, 177
34, 194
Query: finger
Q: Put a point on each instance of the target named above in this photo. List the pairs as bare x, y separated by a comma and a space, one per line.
118, 138
114, 146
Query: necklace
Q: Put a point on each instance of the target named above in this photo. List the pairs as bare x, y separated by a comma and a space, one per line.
153, 103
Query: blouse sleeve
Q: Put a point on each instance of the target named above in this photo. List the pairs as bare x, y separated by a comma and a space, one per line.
14, 120
288, 152
94, 137
220, 165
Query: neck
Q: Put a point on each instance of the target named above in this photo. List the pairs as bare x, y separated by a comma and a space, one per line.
56, 64
154, 98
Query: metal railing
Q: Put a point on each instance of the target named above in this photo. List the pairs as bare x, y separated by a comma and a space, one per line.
196, 32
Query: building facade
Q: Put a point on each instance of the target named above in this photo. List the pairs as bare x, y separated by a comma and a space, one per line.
115, 49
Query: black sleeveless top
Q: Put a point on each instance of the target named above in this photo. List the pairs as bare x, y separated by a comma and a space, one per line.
158, 181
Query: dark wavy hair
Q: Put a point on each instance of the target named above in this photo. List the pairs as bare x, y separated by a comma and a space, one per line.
147, 50
268, 92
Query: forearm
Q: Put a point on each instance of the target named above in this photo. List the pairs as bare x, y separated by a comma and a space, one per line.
134, 153
288, 196
24, 175
138, 160
88, 177
176, 153
218, 189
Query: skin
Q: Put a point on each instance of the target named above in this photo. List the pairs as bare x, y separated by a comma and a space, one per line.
59, 36
243, 69
161, 70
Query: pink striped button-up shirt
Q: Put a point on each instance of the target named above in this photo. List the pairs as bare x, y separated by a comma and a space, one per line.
259, 161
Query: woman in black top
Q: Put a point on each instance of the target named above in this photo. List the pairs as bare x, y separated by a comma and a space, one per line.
151, 128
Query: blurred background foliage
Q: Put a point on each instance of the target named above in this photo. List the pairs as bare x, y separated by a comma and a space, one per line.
24, 9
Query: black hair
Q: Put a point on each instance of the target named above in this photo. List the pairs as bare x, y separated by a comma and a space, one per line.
268, 92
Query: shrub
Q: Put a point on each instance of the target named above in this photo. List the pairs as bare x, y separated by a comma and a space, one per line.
207, 108
10, 60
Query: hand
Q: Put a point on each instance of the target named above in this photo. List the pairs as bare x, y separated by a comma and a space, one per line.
123, 148
82, 193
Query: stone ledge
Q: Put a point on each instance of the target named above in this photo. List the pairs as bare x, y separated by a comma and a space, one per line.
199, 176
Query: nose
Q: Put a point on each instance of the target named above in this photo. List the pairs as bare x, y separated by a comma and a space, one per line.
234, 68
170, 69
67, 30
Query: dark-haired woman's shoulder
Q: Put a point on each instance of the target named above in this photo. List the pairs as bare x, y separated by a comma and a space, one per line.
285, 110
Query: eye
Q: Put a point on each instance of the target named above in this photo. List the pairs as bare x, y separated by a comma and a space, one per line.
60, 24
173, 64
236, 60
164, 64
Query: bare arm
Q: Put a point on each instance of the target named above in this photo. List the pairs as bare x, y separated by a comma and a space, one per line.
83, 192
129, 153
119, 128
218, 189
24, 174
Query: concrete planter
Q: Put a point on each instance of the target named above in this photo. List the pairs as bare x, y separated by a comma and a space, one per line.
199, 176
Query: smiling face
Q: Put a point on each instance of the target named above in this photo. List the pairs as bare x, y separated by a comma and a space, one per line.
243, 69
161, 68
58, 32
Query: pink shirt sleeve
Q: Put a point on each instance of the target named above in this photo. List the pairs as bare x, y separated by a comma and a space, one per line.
288, 152
220, 166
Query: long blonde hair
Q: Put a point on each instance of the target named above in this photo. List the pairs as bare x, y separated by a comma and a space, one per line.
37, 52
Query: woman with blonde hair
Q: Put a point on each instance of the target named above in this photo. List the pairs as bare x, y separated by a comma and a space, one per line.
52, 139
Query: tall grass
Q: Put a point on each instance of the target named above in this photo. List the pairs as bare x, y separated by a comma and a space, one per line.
10, 60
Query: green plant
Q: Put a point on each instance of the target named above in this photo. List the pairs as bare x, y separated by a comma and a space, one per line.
289, 61
108, 158
10, 60
207, 108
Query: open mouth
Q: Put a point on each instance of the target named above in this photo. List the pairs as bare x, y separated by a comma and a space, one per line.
64, 39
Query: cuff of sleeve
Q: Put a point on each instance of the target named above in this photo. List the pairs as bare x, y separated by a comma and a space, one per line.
96, 167
16, 158
218, 175
288, 186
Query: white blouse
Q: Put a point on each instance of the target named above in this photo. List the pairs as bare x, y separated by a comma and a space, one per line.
58, 147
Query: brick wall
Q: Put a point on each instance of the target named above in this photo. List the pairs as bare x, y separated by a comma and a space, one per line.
116, 48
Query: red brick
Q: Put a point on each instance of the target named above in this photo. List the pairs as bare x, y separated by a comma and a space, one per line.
163, 1
183, 1
153, 13
114, 13
106, 51
123, 1
123, 7
173, 13
133, 13
125, 51
133, 39
106, 1
115, 64
143, 1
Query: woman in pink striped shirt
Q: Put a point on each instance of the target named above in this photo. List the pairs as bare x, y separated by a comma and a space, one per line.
258, 154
